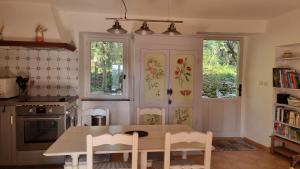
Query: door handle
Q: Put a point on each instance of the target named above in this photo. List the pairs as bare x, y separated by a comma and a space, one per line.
11, 120
169, 91
240, 89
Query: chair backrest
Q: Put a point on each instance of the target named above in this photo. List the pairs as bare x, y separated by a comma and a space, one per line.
184, 137
107, 139
102, 111
160, 112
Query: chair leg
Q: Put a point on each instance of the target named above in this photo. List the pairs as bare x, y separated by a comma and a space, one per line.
184, 155
125, 157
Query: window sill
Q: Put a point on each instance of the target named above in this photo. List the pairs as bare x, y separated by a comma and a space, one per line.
96, 99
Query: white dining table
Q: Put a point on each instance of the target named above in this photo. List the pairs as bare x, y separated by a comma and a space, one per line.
73, 141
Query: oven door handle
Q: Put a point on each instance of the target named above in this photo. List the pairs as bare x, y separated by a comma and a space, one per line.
46, 118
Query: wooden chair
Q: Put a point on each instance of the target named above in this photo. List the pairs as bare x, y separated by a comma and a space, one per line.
108, 139
160, 112
101, 111
183, 137
155, 116
155, 112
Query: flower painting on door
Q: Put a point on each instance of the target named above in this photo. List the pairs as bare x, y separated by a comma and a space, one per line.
151, 119
154, 83
183, 77
183, 116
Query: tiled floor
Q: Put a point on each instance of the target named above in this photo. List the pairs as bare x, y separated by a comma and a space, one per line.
258, 159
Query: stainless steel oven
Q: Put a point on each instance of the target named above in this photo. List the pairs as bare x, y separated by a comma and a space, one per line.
38, 132
38, 126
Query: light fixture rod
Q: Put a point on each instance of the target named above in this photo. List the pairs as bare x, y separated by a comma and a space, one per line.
125, 9
145, 20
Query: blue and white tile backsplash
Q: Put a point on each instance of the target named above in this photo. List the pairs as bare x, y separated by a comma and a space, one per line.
54, 72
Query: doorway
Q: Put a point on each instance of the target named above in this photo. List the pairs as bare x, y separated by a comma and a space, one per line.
222, 86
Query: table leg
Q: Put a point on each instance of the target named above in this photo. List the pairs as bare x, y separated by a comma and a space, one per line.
125, 157
75, 161
184, 155
143, 160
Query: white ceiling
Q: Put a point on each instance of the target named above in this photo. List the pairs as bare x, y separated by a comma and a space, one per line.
212, 9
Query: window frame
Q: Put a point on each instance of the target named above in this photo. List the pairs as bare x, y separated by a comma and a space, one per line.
240, 66
86, 38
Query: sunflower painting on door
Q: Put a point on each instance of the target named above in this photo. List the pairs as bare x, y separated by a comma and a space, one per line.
154, 83
183, 77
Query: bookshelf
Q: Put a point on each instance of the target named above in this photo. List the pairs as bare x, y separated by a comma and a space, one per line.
286, 118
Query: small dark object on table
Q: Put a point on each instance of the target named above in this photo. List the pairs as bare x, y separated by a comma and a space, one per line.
140, 133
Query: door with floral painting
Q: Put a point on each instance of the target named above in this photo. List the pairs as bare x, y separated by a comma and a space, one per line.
167, 80
182, 96
153, 76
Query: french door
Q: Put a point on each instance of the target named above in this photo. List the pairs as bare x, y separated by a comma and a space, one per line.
168, 78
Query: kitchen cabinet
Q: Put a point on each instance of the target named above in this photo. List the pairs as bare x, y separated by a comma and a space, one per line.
7, 135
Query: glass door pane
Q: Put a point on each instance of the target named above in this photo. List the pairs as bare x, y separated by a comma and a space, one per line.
220, 68
107, 68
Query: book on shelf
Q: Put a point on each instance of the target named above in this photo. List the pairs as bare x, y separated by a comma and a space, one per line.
286, 78
286, 131
287, 116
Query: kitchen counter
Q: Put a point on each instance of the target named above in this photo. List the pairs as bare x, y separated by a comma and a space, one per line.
57, 100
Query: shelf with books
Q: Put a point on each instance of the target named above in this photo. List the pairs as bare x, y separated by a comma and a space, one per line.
286, 90
287, 106
286, 124
286, 78
295, 141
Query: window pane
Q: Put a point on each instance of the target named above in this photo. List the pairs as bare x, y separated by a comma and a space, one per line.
220, 66
106, 68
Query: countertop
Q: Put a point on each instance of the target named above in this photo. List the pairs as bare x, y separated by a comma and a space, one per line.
45, 100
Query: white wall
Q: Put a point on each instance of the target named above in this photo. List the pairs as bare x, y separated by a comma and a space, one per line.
281, 30
21, 18
75, 22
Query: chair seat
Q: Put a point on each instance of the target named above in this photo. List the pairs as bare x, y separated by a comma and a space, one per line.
194, 166
98, 158
112, 165
176, 163
102, 165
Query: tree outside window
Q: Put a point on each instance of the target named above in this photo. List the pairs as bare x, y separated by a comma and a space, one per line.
220, 66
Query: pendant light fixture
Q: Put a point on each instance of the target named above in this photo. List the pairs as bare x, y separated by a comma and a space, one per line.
171, 30
117, 28
144, 30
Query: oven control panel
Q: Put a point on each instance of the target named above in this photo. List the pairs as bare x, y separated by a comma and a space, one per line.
39, 109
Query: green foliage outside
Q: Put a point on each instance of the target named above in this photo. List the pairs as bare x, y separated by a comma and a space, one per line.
220, 61
107, 67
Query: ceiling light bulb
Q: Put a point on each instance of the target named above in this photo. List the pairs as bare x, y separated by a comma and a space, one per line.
117, 29
172, 30
144, 30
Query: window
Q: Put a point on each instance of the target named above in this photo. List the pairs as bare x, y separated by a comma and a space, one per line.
106, 58
220, 68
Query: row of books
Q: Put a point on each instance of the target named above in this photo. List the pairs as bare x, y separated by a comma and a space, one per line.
286, 78
286, 131
287, 116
